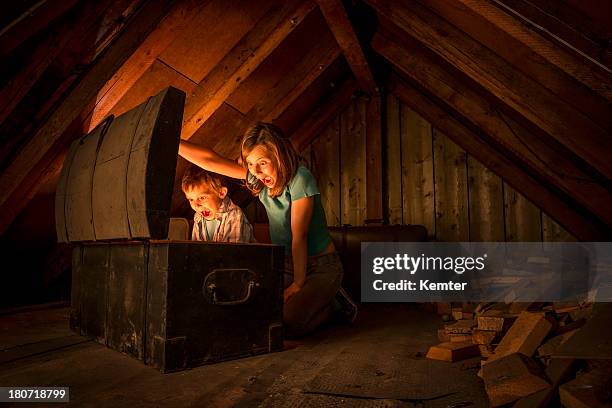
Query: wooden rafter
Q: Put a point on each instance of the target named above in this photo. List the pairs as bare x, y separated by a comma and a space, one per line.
568, 28
525, 147
209, 102
326, 60
45, 53
36, 18
595, 77
573, 78
25, 172
229, 145
321, 116
239, 53
137, 64
512, 172
340, 25
536, 107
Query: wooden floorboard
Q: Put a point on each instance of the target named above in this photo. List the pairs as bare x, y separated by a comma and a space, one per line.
383, 336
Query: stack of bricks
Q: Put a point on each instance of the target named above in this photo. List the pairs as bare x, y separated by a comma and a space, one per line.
519, 346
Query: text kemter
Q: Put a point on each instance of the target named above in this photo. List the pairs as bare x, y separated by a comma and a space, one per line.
424, 284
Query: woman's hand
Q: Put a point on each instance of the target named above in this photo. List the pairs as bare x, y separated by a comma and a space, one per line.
290, 291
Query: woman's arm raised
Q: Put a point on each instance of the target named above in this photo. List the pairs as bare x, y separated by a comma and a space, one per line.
209, 160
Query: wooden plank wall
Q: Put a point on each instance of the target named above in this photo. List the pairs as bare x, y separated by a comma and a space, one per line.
429, 181
433, 182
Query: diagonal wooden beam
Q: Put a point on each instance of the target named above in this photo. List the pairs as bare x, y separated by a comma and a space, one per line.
575, 79
36, 18
316, 66
32, 162
211, 100
567, 27
43, 55
528, 149
535, 106
326, 60
137, 64
321, 116
340, 25
239, 53
593, 75
559, 207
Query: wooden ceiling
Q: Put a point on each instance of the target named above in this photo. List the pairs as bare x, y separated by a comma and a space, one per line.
523, 85
520, 97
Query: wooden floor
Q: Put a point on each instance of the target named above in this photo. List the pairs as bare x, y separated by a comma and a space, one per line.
377, 362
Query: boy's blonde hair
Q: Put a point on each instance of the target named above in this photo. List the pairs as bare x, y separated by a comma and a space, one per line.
196, 176
284, 157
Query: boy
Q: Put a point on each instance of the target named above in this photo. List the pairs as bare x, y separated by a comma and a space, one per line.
216, 217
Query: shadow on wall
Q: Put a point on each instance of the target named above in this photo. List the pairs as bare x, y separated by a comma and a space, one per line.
35, 268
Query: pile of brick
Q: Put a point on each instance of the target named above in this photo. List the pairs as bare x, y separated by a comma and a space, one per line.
533, 354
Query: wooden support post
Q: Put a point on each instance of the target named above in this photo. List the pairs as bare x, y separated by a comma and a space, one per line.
341, 27
25, 172
512, 172
374, 162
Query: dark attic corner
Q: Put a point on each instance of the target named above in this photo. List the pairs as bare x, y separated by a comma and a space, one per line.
365, 203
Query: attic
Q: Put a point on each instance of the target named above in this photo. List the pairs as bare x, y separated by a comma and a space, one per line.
480, 120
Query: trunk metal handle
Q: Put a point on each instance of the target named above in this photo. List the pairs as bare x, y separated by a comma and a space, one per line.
210, 288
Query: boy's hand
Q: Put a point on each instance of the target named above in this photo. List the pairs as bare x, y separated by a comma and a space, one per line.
290, 291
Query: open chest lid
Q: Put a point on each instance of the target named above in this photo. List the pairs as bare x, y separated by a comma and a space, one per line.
117, 181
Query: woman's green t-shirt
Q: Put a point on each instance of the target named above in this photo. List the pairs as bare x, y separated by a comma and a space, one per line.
303, 184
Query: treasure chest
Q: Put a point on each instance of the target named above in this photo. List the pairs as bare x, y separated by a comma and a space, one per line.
172, 304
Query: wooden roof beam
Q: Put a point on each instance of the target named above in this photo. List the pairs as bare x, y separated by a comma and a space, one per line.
568, 27
326, 60
274, 105
585, 85
139, 62
528, 149
590, 73
207, 101
27, 170
36, 18
529, 101
46, 52
321, 116
340, 25
506, 168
